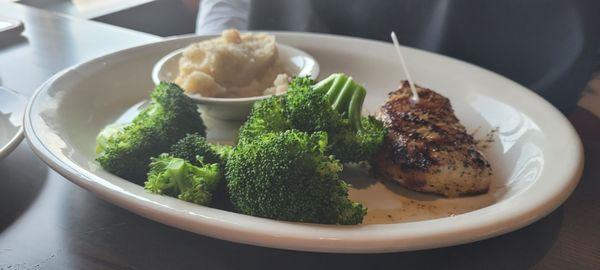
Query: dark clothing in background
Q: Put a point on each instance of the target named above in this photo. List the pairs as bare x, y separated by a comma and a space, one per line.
551, 47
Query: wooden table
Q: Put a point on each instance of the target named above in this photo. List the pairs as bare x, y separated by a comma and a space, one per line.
46, 222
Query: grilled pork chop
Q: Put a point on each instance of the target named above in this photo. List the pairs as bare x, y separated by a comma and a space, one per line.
427, 149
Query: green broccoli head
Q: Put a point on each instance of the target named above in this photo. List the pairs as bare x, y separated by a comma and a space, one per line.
223, 151
267, 116
332, 105
179, 109
354, 146
195, 149
198, 151
179, 178
288, 176
106, 133
308, 108
170, 116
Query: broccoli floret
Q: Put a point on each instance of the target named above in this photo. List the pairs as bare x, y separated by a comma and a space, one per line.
198, 151
195, 149
352, 146
353, 137
107, 133
309, 109
170, 116
332, 105
267, 116
324, 106
289, 176
223, 151
180, 178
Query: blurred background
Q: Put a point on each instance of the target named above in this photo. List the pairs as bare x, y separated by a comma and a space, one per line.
551, 47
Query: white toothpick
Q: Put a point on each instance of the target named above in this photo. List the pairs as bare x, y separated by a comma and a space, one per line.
415, 96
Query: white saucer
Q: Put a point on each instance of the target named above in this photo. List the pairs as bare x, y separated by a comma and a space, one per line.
12, 106
296, 61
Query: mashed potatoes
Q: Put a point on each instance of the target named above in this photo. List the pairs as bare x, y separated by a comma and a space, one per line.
233, 65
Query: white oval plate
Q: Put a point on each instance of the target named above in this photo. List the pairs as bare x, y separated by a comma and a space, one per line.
537, 156
12, 106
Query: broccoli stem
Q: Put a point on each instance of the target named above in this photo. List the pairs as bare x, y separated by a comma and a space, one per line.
355, 107
343, 99
176, 169
334, 89
345, 96
326, 83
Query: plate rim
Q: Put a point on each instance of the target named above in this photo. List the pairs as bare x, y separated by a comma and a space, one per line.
387, 243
